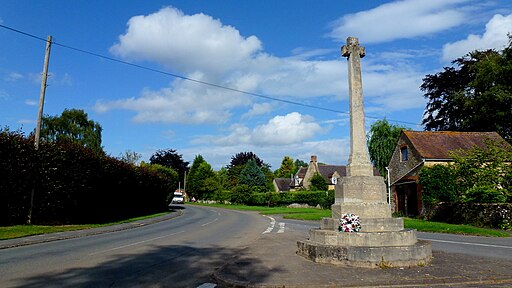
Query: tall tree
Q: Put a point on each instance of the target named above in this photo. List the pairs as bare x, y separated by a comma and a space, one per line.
252, 175
382, 140
286, 169
170, 158
238, 163
475, 95
202, 181
74, 125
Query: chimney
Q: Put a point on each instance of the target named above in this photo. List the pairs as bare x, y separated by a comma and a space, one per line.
313, 158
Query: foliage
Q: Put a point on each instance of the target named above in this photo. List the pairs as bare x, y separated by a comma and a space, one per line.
311, 198
241, 194
484, 175
286, 169
130, 157
439, 184
382, 140
202, 182
72, 184
170, 158
72, 124
238, 163
251, 175
168, 176
318, 183
476, 95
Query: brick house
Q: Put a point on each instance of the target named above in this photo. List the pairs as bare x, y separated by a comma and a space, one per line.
416, 149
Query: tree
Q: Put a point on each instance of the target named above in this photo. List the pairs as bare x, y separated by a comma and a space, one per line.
74, 125
202, 181
170, 158
286, 169
238, 163
382, 140
130, 157
298, 164
318, 183
251, 175
476, 95
484, 175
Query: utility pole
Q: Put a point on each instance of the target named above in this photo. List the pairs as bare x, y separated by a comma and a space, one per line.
44, 77
43, 90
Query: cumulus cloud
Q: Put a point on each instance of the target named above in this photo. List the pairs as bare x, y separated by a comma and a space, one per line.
280, 130
185, 103
494, 37
186, 42
399, 20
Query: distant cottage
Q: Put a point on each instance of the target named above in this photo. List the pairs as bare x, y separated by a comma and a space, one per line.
302, 179
416, 149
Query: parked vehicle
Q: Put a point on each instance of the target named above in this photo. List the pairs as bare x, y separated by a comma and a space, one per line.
178, 198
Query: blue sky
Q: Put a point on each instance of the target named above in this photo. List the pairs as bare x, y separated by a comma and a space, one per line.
288, 50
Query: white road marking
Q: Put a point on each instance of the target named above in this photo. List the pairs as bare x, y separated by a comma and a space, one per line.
214, 220
136, 243
281, 227
468, 243
271, 226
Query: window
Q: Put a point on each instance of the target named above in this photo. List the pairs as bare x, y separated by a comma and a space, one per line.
404, 153
334, 180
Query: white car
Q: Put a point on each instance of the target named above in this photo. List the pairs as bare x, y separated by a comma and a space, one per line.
177, 200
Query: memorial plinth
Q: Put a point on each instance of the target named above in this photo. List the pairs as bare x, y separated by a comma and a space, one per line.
382, 240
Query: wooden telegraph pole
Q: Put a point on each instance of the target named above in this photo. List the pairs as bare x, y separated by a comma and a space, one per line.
43, 90
44, 77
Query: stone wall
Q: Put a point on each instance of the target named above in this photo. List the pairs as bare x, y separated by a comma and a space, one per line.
481, 215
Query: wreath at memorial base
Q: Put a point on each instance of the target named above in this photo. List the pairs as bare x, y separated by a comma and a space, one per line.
349, 223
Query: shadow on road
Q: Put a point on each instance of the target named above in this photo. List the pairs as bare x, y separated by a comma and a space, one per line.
162, 266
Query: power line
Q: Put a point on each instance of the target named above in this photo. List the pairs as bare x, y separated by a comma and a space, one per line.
193, 80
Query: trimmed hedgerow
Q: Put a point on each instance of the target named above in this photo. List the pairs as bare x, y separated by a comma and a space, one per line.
73, 184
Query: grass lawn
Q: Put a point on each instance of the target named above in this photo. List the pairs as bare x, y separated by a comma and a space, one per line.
318, 214
17, 231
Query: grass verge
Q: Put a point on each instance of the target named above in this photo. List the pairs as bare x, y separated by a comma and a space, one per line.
17, 231
318, 214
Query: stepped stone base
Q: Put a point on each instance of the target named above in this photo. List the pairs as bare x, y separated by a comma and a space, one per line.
418, 254
368, 225
404, 237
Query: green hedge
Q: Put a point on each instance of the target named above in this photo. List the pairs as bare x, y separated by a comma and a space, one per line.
312, 198
72, 184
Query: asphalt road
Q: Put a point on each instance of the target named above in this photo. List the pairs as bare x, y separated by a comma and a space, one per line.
182, 252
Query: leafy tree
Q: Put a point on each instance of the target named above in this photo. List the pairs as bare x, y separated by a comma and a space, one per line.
438, 184
286, 169
318, 183
167, 174
170, 158
476, 95
484, 175
299, 163
130, 157
382, 140
202, 180
74, 125
238, 163
251, 175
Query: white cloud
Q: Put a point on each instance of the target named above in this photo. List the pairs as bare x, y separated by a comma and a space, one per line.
161, 37
3, 95
399, 20
280, 130
186, 42
13, 76
258, 109
185, 102
494, 37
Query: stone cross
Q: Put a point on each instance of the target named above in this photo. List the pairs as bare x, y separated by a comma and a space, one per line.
359, 161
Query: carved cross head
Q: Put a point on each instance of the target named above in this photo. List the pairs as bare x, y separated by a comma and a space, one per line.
352, 47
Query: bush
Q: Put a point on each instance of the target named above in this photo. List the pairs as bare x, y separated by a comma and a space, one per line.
438, 184
72, 184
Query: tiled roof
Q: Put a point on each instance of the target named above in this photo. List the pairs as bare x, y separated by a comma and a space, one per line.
302, 172
283, 184
328, 170
438, 144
